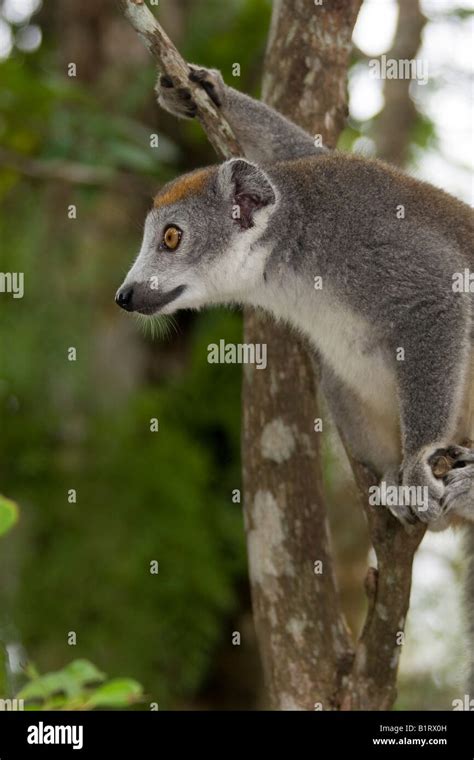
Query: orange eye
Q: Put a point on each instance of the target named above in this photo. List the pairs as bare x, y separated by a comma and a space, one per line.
172, 237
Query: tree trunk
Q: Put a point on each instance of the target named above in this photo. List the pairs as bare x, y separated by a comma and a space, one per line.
303, 640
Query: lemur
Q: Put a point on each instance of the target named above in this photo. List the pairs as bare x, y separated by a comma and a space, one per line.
391, 331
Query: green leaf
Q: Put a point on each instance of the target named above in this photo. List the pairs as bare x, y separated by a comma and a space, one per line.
8, 514
83, 672
119, 692
69, 681
47, 685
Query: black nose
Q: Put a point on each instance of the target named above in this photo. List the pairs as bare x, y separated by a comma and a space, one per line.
124, 298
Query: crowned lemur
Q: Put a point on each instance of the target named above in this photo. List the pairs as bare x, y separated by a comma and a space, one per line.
359, 257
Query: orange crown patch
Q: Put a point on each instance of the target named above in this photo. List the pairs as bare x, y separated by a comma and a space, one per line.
182, 188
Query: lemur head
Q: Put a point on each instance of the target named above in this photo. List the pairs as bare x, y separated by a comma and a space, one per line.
200, 244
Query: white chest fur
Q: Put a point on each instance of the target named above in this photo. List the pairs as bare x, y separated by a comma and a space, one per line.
346, 341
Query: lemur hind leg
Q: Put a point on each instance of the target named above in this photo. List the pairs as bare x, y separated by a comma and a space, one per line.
373, 438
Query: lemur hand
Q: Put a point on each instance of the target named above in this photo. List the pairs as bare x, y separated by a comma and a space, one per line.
179, 100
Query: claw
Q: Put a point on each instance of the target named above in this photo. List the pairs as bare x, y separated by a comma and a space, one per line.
444, 460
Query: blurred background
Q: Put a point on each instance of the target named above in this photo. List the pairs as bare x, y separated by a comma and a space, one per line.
100, 495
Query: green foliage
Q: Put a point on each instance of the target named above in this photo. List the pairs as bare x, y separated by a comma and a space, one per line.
140, 496
215, 32
55, 118
119, 692
8, 514
348, 136
78, 686
423, 133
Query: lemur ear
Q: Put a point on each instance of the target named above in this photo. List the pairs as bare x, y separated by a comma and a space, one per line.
248, 187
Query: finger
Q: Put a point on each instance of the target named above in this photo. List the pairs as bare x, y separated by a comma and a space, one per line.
211, 91
201, 76
197, 75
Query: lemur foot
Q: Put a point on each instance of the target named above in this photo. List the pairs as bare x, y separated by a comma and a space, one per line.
424, 490
179, 100
414, 494
433, 500
458, 498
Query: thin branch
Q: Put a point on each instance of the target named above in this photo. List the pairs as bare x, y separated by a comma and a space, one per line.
67, 171
71, 172
372, 682
170, 61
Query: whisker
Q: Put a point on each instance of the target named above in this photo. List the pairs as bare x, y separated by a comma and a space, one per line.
156, 326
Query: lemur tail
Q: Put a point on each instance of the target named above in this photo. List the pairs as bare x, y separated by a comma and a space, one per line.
469, 605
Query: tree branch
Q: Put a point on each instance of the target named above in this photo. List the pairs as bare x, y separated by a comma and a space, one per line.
372, 682
72, 172
392, 129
